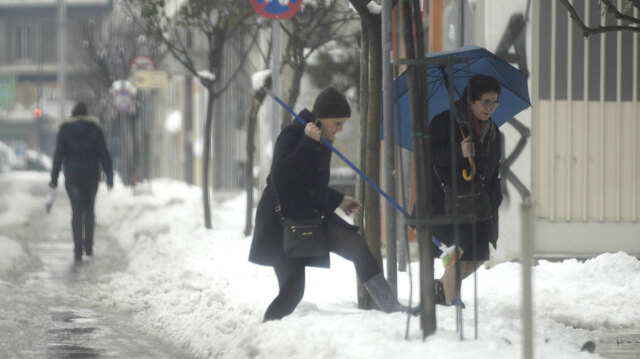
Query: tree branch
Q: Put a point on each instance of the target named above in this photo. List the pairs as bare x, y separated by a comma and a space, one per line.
617, 13
237, 70
587, 31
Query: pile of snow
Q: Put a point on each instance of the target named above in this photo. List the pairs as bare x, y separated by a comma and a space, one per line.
196, 287
11, 253
38, 161
7, 158
18, 199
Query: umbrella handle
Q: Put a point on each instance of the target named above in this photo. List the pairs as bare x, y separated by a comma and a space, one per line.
468, 177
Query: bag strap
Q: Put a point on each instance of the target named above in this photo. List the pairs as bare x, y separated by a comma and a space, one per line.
438, 177
278, 208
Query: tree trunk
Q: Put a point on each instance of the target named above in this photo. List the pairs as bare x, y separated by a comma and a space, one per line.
364, 300
372, 163
206, 158
416, 82
294, 92
251, 148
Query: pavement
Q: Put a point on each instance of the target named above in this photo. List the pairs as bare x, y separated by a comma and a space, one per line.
618, 344
50, 316
58, 321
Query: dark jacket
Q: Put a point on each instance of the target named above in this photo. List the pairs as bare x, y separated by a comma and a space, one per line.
487, 160
80, 145
300, 173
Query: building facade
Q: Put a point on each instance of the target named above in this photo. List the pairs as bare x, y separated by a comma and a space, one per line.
29, 96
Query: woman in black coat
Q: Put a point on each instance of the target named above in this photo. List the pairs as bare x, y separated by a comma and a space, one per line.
477, 138
80, 146
300, 177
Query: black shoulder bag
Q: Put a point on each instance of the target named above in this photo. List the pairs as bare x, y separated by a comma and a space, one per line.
301, 237
470, 201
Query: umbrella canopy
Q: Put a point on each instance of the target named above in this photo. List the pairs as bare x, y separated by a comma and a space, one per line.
513, 82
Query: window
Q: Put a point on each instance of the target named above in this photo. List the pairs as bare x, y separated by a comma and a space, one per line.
22, 42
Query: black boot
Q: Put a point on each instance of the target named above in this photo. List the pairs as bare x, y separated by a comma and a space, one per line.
382, 294
438, 289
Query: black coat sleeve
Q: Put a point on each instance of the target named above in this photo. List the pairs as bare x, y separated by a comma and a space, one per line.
335, 198
494, 189
57, 157
293, 154
105, 157
440, 145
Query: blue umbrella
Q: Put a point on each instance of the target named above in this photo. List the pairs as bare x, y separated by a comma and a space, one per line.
513, 82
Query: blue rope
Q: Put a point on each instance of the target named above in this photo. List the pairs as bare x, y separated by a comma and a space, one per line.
375, 186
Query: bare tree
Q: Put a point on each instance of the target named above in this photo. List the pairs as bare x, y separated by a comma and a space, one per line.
259, 95
219, 23
371, 26
109, 49
315, 25
609, 7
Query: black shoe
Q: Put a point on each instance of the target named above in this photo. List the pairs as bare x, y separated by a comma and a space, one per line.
78, 257
457, 303
414, 311
438, 289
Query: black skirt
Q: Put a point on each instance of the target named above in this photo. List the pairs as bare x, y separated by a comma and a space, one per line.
444, 233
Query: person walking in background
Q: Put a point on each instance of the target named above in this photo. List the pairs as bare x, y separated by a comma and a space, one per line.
80, 145
299, 182
478, 150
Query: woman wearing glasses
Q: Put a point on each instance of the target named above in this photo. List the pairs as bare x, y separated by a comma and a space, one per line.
477, 152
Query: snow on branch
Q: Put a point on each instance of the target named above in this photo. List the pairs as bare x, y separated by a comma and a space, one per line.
374, 7
207, 75
259, 79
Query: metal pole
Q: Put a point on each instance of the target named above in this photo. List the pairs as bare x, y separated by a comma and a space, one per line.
389, 158
526, 250
275, 77
62, 51
188, 120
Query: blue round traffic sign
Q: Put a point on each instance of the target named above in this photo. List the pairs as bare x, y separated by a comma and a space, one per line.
274, 9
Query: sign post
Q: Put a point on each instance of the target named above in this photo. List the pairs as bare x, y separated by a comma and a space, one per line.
276, 10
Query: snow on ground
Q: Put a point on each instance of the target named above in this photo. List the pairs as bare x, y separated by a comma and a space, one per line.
195, 287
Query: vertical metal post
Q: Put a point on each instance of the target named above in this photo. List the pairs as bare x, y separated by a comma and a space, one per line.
526, 250
585, 127
634, 126
275, 77
602, 128
188, 120
552, 120
62, 59
618, 121
389, 139
569, 144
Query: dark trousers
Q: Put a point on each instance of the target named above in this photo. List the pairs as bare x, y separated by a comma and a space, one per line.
343, 240
82, 196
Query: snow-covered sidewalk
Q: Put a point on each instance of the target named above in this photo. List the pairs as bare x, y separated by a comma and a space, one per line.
196, 287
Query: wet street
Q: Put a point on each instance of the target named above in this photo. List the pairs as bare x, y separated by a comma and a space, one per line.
53, 318
619, 344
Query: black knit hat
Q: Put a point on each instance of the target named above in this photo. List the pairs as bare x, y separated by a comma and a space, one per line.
80, 109
330, 103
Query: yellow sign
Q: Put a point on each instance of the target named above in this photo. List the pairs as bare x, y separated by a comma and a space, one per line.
151, 79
